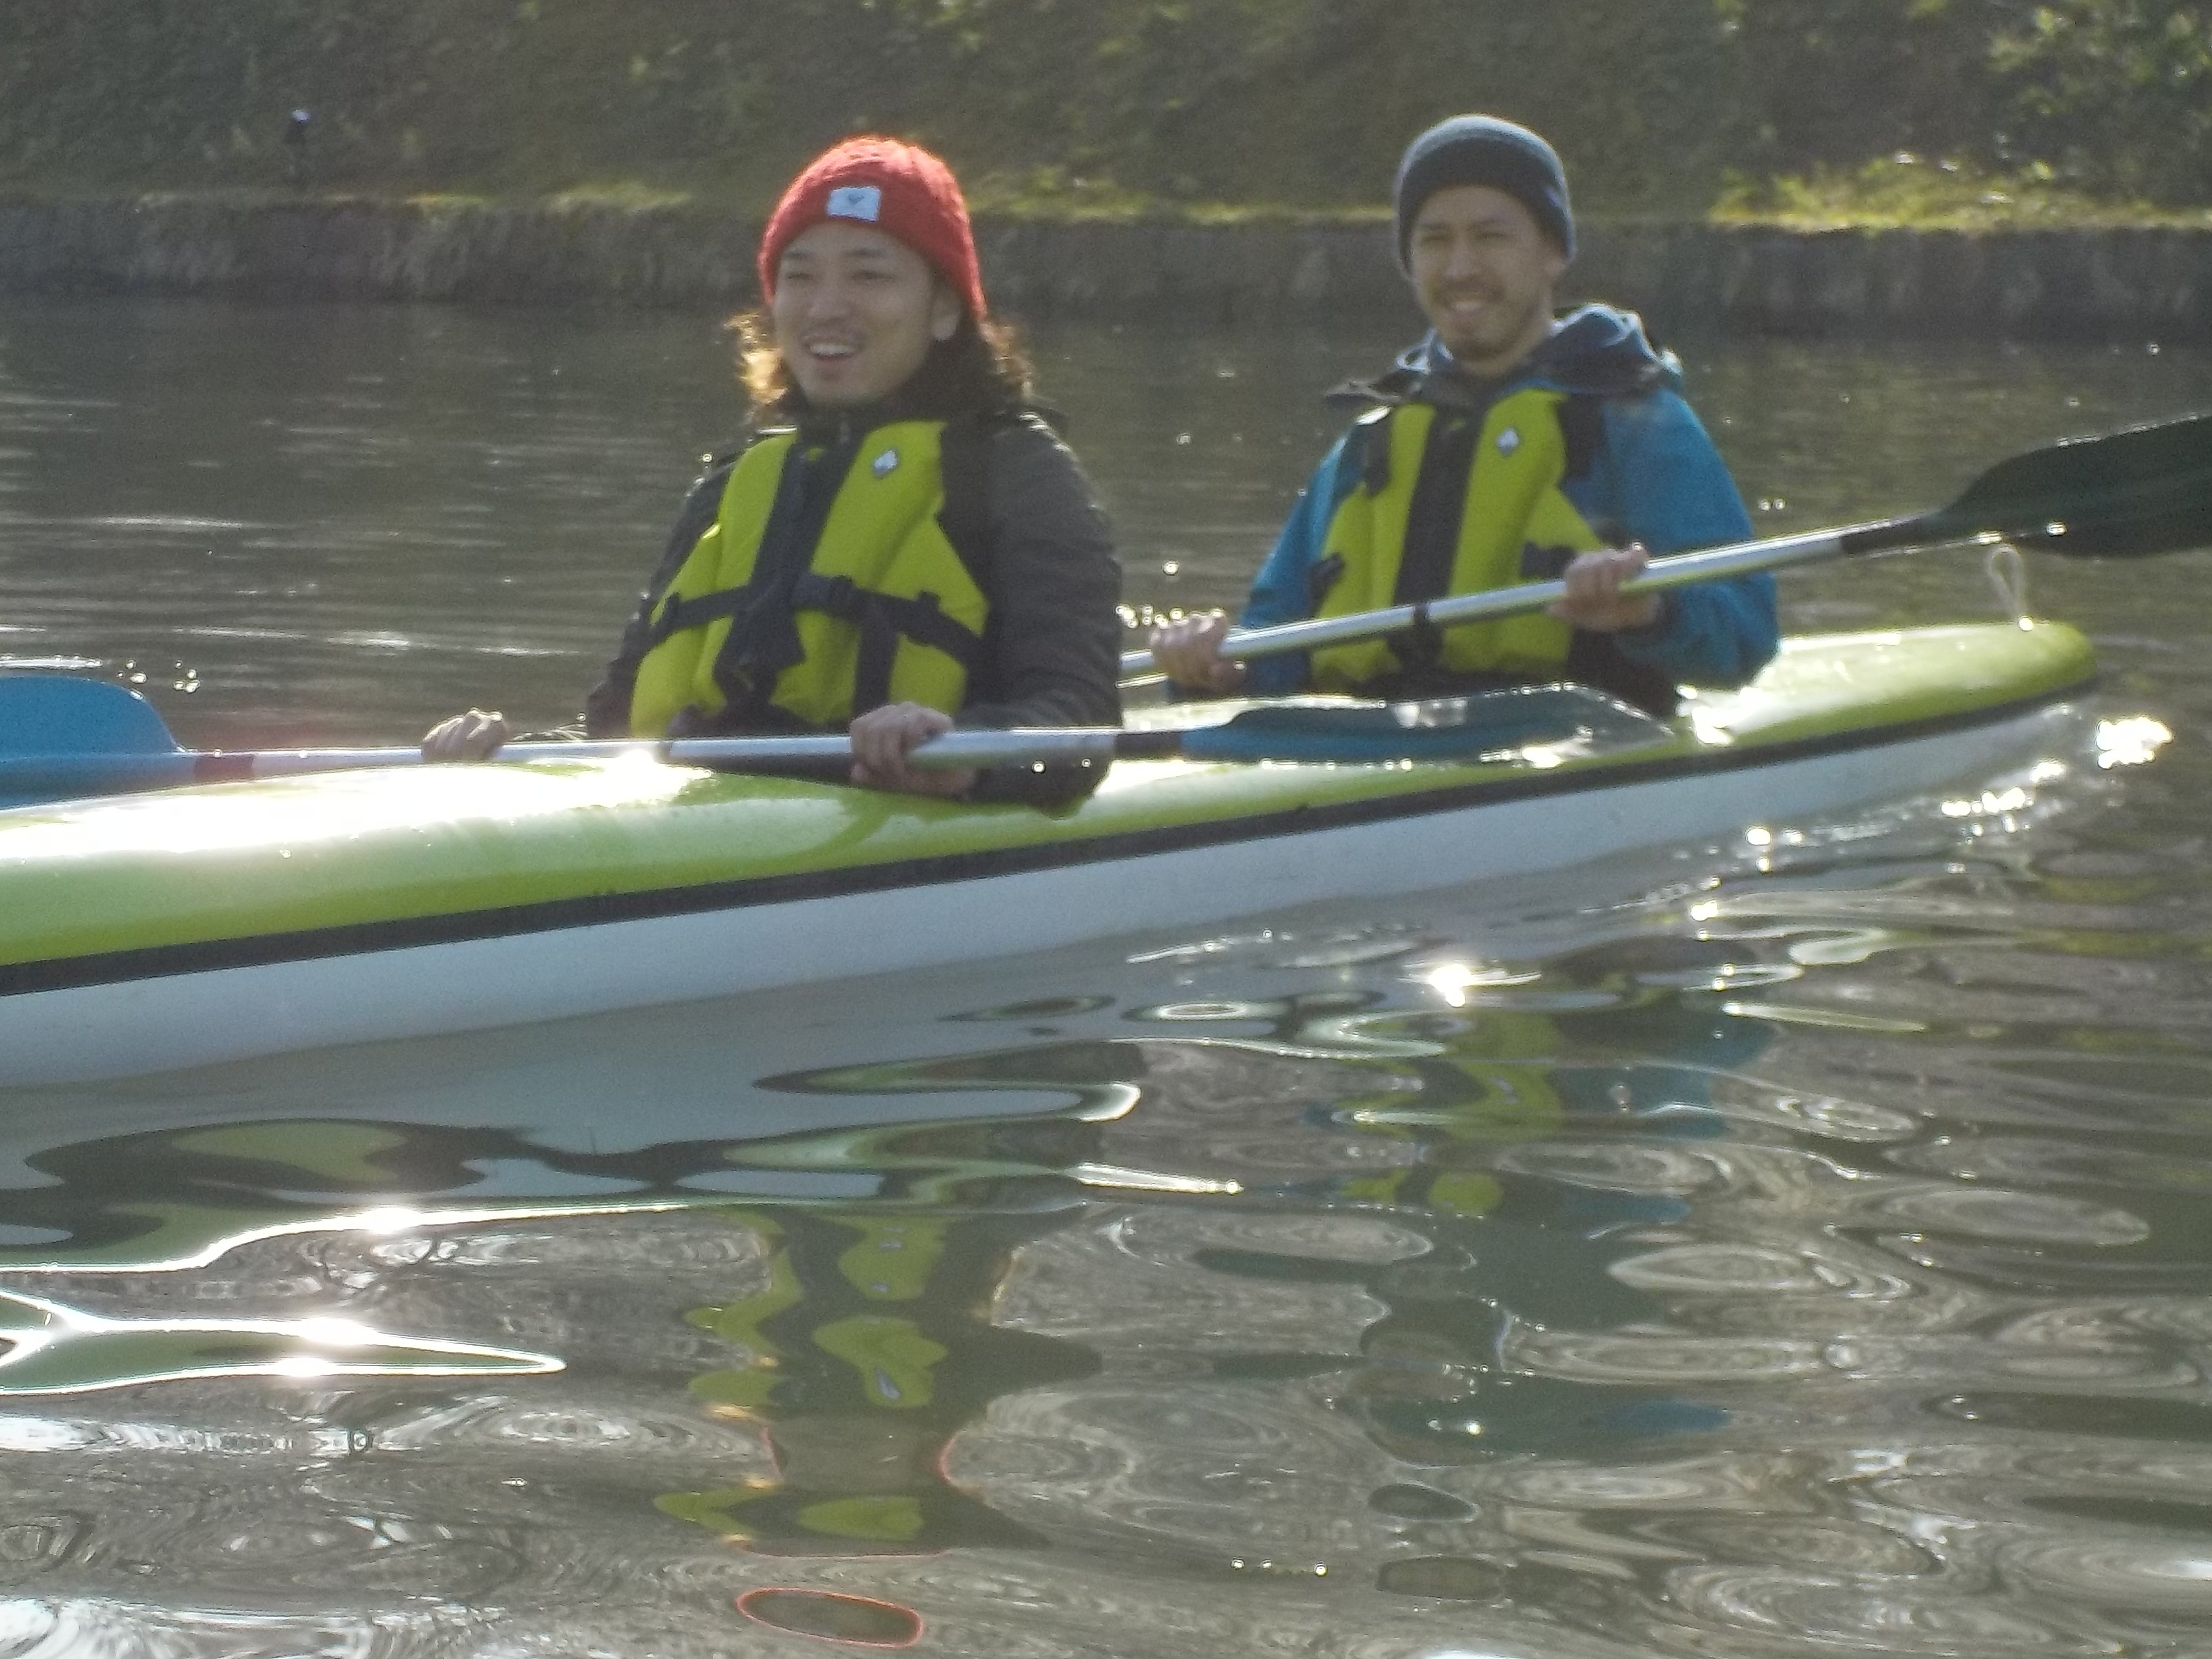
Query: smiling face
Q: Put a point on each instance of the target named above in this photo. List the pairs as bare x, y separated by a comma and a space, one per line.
1483, 270
855, 313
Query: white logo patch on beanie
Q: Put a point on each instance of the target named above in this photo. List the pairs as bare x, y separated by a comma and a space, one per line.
856, 202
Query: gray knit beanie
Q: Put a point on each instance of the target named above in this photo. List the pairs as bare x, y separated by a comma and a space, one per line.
1481, 149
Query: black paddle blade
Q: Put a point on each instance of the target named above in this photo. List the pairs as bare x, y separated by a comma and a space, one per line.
2146, 489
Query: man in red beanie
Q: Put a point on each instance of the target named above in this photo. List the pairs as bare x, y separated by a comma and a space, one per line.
898, 188
903, 544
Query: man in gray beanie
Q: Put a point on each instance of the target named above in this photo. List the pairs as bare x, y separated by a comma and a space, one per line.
1510, 445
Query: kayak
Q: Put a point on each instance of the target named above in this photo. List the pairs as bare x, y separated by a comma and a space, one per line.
190, 926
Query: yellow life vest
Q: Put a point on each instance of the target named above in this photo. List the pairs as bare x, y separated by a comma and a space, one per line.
886, 610
1514, 505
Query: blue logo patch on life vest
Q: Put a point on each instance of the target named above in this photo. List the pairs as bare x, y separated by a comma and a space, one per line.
855, 201
885, 463
1508, 442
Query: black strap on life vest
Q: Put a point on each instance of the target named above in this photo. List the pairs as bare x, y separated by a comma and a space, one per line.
763, 641
1432, 529
763, 637
882, 619
964, 471
1581, 429
1438, 507
1433, 518
676, 614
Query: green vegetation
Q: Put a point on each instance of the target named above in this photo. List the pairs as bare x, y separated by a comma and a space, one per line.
2043, 112
2103, 106
1906, 192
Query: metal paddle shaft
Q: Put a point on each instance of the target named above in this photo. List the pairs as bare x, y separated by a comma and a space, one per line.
1321, 730
1316, 729
2146, 489
57, 776
1735, 560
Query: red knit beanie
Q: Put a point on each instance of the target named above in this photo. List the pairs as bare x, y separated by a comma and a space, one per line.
898, 188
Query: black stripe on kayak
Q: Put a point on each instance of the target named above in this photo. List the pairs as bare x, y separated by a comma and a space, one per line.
551, 915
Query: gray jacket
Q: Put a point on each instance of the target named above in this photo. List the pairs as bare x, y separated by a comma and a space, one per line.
1052, 645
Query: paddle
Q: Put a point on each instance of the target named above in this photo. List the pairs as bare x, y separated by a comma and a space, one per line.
62, 737
2144, 489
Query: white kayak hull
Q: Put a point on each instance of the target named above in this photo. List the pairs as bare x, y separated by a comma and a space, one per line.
966, 909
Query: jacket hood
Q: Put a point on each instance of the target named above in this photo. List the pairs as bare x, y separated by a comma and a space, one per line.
1595, 349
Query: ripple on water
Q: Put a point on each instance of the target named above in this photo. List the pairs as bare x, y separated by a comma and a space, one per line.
1642, 1357
2188, 1518
1004, 1458
2110, 1093
1406, 1500
252, 1545
1134, 1283
1836, 1613
1954, 1360
855, 1620
1823, 1116
635, 1433
2020, 1161
1320, 1236
1800, 1545
679, 1243
2145, 1417
1722, 1269
2171, 1578
1974, 1499
1443, 1578
1104, 1605
1767, 1481
35, 1543
2188, 1317
2017, 1217
1213, 1472
1619, 1167
54, 1630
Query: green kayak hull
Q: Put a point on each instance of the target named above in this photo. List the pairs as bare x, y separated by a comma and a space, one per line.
198, 924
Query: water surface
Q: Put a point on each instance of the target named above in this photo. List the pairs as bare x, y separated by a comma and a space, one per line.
1794, 1244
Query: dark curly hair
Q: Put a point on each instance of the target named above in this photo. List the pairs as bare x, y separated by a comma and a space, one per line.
980, 370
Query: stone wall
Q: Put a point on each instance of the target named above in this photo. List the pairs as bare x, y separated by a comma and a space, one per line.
2124, 284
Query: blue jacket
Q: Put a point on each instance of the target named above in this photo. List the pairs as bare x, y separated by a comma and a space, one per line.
1655, 479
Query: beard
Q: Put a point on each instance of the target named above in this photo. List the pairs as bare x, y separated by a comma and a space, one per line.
1500, 328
